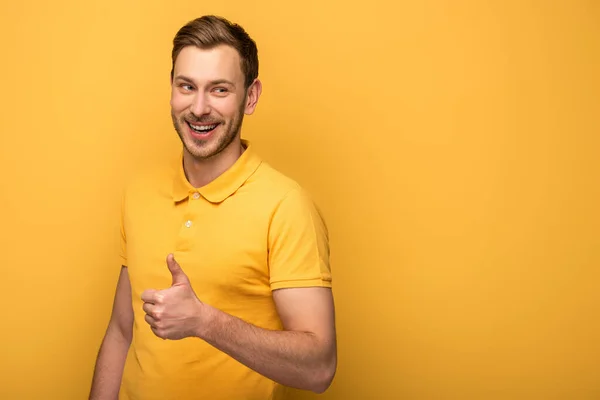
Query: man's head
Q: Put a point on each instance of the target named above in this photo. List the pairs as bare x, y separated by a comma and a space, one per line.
213, 84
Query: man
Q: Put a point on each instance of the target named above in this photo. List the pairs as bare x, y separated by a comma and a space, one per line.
225, 289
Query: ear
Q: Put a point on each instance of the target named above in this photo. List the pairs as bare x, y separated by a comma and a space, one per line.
254, 92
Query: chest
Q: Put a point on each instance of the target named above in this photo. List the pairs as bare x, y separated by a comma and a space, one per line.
222, 249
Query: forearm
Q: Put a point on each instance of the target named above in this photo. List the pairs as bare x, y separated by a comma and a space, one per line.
109, 367
295, 359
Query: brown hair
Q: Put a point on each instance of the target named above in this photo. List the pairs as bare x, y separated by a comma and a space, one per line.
210, 31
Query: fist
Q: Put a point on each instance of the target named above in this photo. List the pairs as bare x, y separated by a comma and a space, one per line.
174, 313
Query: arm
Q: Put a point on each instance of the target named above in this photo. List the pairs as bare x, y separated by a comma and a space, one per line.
115, 345
302, 356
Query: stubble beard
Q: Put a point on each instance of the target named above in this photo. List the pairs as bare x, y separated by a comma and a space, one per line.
203, 150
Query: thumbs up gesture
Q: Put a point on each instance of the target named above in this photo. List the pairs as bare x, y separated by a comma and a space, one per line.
173, 313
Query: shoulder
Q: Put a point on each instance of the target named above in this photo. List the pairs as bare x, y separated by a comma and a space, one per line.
279, 192
289, 200
275, 184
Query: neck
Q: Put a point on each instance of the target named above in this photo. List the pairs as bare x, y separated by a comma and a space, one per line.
202, 172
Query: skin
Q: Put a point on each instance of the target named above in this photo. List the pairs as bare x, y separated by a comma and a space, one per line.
117, 339
208, 88
303, 355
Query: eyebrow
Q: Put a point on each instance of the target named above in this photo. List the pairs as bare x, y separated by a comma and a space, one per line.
215, 82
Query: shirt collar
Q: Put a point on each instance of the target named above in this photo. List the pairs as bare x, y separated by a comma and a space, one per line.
225, 185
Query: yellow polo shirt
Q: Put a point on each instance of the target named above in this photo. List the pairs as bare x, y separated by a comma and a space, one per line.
250, 231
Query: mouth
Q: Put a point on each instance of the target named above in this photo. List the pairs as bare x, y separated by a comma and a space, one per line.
201, 129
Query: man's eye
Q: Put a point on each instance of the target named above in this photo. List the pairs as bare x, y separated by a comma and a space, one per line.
186, 87
221, 90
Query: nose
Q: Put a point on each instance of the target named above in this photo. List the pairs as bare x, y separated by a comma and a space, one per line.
200, 105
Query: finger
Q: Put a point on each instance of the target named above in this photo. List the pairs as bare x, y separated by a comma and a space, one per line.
158, 332
179, 277
149, 308
149, 296
151, 321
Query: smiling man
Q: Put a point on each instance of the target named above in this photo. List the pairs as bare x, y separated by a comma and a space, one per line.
225, 285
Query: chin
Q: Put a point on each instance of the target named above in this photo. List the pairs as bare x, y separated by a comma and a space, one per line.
201, 152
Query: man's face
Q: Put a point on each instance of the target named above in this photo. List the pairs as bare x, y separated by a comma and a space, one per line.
209, 99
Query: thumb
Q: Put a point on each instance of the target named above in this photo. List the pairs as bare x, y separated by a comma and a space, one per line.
179, 277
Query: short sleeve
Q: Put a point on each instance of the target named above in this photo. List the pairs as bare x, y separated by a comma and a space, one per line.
122, 236
298, 244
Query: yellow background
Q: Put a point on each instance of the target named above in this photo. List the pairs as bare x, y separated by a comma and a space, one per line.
451, 145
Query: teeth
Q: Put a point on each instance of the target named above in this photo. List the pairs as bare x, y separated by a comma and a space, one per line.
203, 128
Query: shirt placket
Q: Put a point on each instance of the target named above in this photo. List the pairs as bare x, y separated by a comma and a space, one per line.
189, 223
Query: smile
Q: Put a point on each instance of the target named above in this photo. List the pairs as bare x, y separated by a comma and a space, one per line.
202, 128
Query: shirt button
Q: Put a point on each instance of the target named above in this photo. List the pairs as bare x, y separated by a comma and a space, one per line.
188, 224
196, 196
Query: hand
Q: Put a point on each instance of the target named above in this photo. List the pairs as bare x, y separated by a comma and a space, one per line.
173, 313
